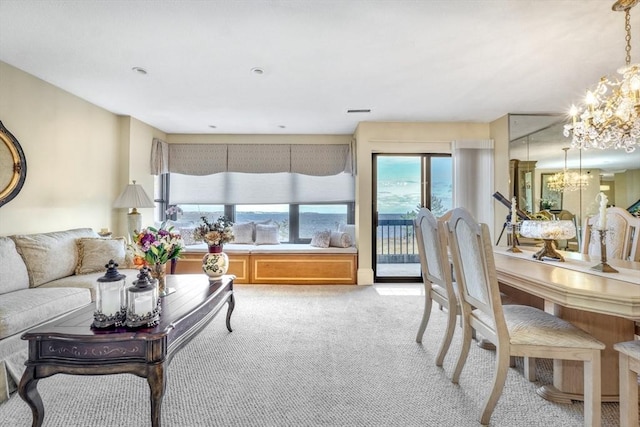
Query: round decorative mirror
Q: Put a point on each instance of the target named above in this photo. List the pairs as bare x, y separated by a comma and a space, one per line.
13, 166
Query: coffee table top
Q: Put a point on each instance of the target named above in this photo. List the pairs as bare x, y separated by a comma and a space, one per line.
193, 293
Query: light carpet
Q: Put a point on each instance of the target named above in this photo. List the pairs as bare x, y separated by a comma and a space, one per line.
309, 356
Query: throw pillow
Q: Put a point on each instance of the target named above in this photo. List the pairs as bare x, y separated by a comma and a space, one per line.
243, 233
256, 223
321, 239
267, 234
94, 254
350, 229
339, 240
13, 272
50, 256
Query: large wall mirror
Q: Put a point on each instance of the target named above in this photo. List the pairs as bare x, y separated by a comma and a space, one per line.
13, 166
536, 152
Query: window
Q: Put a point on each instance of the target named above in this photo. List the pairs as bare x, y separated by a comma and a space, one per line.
297, 222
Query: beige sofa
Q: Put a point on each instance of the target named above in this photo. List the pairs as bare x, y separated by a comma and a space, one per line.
43, 276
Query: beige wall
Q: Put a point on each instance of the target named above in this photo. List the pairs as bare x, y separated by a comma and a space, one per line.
79, 157
627, 188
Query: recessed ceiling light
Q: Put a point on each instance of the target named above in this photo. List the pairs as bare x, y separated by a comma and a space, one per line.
361, 110
213, 126
257, 70
139, 70
281, 126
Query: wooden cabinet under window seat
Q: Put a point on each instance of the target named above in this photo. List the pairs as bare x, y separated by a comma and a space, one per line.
293, 264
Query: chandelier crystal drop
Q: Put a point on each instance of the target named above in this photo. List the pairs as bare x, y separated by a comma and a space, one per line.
567, 181
610, 114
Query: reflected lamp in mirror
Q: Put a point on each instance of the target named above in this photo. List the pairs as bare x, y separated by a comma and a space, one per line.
110, 298
548, 231
134, 197
566, 180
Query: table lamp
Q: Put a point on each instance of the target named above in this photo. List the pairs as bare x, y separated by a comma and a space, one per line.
548, 231
133, 196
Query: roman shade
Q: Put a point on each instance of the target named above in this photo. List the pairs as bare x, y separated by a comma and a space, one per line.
208, 159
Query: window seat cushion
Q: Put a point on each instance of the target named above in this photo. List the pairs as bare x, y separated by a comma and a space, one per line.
283, 248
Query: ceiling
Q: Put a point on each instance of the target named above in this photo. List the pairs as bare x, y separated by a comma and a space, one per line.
426, 61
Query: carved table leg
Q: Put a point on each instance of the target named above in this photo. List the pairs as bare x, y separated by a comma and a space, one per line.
28, 391
232, 304
157, 384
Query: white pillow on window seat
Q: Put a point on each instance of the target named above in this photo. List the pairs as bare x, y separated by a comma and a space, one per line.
339, 239
267, 234
243, 233
321, 239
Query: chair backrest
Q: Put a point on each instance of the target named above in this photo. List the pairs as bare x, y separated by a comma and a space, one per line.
432, 247
475, 269
623, 235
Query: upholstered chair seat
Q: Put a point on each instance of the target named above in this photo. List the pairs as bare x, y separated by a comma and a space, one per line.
529, 325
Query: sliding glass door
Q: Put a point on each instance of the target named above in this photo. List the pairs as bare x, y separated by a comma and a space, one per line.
402, 184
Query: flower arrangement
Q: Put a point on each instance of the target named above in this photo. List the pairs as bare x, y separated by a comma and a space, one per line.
173, 210
156, 245
214, 233
546, 203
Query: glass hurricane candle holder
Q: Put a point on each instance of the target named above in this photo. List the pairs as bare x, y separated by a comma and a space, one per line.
548, 231
143, 303
110, 298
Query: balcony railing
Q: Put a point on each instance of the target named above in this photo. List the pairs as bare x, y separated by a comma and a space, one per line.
396, 242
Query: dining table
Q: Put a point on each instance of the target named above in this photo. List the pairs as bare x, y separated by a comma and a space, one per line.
606, 305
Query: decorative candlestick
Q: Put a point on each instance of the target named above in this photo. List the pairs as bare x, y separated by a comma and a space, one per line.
603, 266
513, 227
602, 220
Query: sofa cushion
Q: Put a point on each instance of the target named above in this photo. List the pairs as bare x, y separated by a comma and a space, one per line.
13, 272
50, 256
23, 309
95, 253
88, 281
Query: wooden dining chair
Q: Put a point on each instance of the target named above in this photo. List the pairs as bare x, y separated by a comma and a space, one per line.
515, 330
436, 275
623, 235
629, 354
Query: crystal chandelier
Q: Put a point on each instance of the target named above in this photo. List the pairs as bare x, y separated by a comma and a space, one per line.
610, 116
567, 181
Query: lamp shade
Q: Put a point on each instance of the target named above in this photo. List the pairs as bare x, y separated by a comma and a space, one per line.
133, 196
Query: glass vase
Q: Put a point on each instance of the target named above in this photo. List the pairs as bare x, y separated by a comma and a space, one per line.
159, 272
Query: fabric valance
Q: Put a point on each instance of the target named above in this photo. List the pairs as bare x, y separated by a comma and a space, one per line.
208, 159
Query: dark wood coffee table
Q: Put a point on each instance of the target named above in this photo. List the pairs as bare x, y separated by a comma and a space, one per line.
69, 345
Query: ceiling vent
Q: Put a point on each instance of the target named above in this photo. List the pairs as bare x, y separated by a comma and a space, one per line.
361, 110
